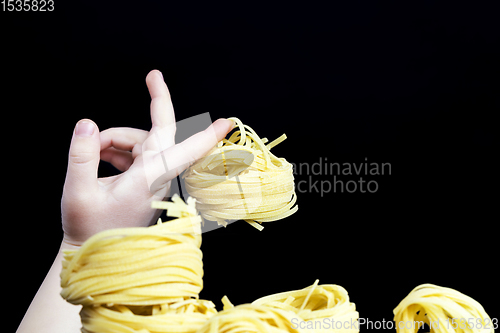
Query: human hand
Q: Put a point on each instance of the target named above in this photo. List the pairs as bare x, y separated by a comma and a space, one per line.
90, 204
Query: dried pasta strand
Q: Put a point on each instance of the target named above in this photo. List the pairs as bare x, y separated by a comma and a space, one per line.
227, 303
241, 179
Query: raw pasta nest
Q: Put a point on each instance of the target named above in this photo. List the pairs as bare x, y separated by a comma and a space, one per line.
240, 179
443, 310
183, 317
141, 279
315, 303
251, 319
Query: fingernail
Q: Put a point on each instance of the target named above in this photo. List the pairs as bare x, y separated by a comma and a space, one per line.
161, 75
84, 128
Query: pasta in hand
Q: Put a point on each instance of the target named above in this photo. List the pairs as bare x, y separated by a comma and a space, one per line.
241, 179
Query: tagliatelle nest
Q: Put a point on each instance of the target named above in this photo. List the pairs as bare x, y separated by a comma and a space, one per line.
240, 179
443, 310
316, 303
250, 318
147, 279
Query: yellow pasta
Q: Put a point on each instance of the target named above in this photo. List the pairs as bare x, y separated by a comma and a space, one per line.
147, 280
249, 318
314, 304
140, 279
241, 179
443, 310
183, 317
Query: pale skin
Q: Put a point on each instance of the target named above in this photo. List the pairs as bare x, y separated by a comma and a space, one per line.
90, 204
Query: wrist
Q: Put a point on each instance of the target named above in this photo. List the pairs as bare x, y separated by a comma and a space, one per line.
67, 245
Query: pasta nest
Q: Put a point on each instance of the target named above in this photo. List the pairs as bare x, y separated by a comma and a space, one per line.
443, 310
240, 179
109, 267
251, 318
317, 303
185, 316
143, 280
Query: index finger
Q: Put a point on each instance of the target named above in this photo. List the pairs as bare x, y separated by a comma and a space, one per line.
162, 110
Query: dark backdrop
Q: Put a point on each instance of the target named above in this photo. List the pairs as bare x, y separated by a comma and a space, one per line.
413, 85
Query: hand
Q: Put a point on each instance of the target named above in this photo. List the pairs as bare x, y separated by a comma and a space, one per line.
90, 204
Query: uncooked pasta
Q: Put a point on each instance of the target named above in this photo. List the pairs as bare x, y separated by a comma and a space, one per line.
313, 309
147, 280
249, 318
240, 179
182, 317
316, 303
144, 279
443, 310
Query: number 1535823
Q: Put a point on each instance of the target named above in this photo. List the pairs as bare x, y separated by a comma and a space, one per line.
27, 5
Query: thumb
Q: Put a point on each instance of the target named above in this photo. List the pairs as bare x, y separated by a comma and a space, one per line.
83, 159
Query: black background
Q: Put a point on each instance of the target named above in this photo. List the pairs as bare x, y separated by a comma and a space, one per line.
413, 85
